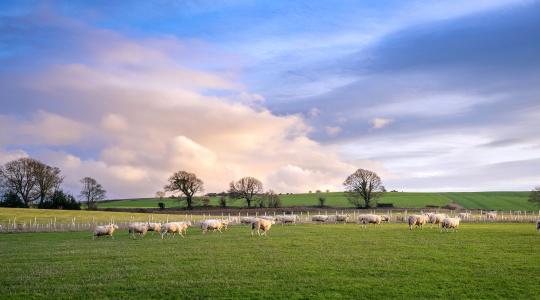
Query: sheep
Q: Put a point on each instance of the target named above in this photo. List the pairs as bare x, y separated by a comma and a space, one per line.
319, 218
369, 219
104, 230
492, 215
269, 218
339, 218
417, 220
137, 228
248, 220
225, 224
538, 225
385, 218
174, 228
287, 219
437, 219
464, 216
156, 227
263, 224
450, 223
211, 224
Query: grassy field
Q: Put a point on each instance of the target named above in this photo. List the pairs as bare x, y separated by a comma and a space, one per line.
303, 261
476, 200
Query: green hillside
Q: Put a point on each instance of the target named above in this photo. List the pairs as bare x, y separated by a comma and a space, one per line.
469, 200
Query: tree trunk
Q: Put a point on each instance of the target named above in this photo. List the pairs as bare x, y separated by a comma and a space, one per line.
189, 200
248, 202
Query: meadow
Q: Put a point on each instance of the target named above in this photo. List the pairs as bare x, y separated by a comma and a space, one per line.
337, 261
468, 200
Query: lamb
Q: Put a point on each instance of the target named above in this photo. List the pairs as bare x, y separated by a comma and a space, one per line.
369, 219
211, 224
319, 218
491, 215
137, 228
287, 219
450, 223
437, 219
417, 220
156, 227
104, 230
263, 224
385, 218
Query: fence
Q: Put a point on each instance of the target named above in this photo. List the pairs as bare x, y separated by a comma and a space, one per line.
395, 216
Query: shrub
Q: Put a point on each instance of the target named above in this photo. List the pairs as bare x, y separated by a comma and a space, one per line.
161, 205
223, 201
61, 200
205, 201
10, 199
322, 201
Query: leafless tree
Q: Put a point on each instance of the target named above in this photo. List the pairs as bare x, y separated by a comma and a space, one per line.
48, 180
160, 195
534, 196
92, 192
246, 188
18, 176
185, 183
363, 185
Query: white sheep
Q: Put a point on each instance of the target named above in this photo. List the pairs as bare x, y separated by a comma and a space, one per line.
156, 227
263, 224
137, 228
437, 219
369, 219
287, 219
104, 230
338, 218
248, 220
319, 218
174, 228
385, 218
450, 223
492, 215
417, 220
211, 224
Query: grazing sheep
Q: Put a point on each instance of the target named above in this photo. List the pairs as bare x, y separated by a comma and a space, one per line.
319, 218
263, 224
287, 219
211, 224
104, 230
225, 224
417, 220
137, 228
450, 223
385, 218
492, 215
464, 216
369, 219
339, 218
156, 227
248, 220
437, 219
174, 228
538, 225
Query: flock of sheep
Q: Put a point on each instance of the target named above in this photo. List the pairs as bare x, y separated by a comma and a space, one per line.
264, 223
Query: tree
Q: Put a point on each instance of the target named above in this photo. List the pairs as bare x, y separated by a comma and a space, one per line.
534, 196
60, 200
92, 192
48, 180
272, 199
246, 188
185, 183
363, 185
18, 176
10, 199
160, 195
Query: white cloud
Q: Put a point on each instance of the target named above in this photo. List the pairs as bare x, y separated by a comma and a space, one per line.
378, 123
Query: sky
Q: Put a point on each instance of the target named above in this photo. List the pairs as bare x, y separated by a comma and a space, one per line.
431, 95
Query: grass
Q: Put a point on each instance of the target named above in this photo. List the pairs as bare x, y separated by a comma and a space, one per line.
294, 262
470, 200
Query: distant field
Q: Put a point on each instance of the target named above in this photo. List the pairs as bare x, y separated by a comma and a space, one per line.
471, 200
303, 261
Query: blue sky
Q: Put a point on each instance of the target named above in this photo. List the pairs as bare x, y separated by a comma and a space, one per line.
433, 95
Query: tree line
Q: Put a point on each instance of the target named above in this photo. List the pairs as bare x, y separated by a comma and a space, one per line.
27, 182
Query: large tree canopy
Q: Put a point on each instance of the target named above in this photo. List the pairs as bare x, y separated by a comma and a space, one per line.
186, 183
363, 185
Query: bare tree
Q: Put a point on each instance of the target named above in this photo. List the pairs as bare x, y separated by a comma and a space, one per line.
246, 188
18, 176
185, 183
48, 179
363, 185
92, 192
160, 195
534, 196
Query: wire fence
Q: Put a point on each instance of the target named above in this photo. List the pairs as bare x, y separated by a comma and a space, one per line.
39, 224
